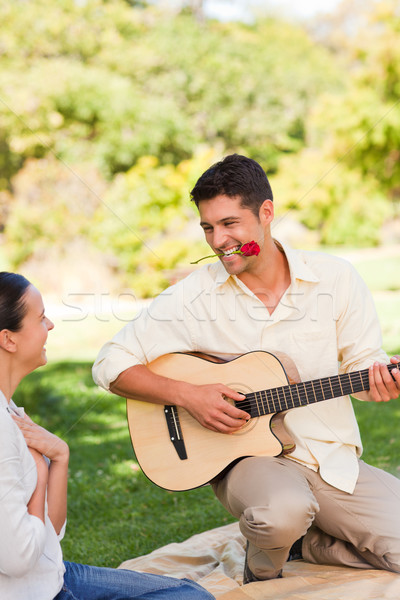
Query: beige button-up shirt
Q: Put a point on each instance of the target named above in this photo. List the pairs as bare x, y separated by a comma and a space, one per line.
325, 322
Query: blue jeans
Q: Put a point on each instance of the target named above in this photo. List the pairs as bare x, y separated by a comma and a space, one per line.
82, 582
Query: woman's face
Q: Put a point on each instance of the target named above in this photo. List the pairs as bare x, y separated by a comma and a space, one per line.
32, 336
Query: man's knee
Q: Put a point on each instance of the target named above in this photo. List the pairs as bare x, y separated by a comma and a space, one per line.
280, 523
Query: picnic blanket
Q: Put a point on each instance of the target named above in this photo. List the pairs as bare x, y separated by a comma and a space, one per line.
215, 559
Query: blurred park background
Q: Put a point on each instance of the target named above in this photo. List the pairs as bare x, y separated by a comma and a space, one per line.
109, 112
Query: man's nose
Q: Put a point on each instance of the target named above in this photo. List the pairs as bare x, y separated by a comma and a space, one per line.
219, 237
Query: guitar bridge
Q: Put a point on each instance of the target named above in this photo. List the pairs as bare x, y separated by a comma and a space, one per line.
174, 430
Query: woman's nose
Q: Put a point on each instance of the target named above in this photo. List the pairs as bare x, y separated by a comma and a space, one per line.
50, 324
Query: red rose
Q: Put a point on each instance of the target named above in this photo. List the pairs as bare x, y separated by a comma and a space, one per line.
250, 249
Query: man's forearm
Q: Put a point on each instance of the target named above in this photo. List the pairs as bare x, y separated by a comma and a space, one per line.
140, 383
207, 403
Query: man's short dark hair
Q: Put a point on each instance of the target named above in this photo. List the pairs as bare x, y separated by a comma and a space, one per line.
235, 175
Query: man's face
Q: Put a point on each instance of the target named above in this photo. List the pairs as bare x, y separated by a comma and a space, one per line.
227, 226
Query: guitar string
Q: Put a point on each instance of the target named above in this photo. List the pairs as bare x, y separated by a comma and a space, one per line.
304, 394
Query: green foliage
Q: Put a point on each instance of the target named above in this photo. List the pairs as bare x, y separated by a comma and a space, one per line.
101, 86
338, 203
341, 184
110, 83
144, 219
364, 126
52, 206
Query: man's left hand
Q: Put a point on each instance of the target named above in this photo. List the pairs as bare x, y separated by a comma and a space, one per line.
383, 385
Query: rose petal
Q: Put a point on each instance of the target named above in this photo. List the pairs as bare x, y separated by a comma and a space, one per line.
250, 249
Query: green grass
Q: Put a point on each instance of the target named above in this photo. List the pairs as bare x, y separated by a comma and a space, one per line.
80, 339
378, 424
388, 309
380, 273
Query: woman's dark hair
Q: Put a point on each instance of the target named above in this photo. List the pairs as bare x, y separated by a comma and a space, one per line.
236, 175
12, 301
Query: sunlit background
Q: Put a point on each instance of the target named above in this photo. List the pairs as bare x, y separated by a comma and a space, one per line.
110, 111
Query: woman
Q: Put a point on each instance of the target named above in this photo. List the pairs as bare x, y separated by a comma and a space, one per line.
33, 489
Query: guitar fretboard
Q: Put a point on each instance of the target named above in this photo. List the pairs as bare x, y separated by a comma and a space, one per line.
294, 395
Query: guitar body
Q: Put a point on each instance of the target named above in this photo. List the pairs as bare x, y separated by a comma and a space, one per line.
207, 452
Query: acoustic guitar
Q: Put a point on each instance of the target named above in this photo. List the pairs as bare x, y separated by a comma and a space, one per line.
177, 453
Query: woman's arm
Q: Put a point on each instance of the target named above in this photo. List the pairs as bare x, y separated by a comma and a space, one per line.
57, 490
37, 501
42, 441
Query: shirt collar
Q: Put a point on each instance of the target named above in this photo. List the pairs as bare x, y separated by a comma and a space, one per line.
10, 406
298, 267
3, 400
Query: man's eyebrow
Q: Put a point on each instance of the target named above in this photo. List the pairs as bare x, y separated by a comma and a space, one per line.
235, 218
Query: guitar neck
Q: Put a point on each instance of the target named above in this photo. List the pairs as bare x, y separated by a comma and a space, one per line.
294, 395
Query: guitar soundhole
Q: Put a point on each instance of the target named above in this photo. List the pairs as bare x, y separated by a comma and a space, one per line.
242, 389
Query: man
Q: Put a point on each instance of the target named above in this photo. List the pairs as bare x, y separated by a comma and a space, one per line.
317, 310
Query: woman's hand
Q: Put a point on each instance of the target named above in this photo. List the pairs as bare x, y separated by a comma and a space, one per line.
41, 440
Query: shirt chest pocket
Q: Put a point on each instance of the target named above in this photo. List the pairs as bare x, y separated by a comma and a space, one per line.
314, 352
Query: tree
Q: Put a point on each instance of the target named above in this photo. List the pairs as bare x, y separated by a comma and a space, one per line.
52, 206
364, 126
104, 82
145, 221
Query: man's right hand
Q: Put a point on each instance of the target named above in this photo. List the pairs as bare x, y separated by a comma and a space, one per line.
209, 405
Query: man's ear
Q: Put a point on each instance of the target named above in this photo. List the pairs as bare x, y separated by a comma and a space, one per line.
7, 340
266, 212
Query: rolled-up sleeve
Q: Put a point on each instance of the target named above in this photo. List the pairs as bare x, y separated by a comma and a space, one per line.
163, 327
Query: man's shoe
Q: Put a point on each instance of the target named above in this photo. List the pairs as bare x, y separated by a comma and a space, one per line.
295, 552
248, 575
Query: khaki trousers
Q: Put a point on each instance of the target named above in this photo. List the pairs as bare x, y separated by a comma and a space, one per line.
278, 500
